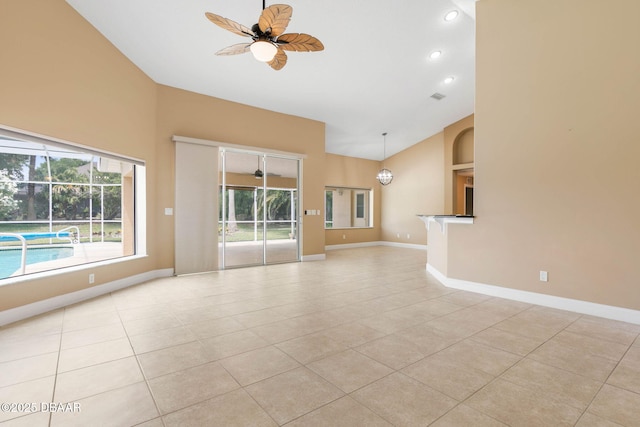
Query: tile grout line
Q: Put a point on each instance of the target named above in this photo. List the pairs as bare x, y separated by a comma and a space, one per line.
500, 375
135, 354
55, 379
607, 379
534, 391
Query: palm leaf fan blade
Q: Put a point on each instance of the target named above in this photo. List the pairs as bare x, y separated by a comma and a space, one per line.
229, 25
299, 42
235, 49
278, 61
274, 19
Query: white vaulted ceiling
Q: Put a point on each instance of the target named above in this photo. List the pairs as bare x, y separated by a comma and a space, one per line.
374, 76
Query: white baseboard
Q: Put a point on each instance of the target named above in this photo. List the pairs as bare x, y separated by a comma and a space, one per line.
350, 246
36, 308
404, 245
578, 306
316, 257
376, 243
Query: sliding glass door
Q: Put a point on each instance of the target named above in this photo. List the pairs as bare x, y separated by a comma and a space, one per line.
258, 209
281, 210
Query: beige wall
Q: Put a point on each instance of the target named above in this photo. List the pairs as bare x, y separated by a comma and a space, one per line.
556, 106
417, 188
342, 171
198, 116
61, 78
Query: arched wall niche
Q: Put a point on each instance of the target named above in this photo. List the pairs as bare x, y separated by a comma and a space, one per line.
463, 147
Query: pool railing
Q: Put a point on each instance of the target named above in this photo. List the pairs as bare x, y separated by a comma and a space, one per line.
64, 234
23, 240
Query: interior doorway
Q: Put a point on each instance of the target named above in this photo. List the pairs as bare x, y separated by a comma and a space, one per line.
258, 216
463, 192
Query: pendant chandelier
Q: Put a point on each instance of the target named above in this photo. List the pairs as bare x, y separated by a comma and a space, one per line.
384, 176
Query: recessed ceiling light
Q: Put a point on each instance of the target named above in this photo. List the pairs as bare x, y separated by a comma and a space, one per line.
435, 54
450, 16
449, 80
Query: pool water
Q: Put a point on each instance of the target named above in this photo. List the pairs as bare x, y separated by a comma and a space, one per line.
10, 258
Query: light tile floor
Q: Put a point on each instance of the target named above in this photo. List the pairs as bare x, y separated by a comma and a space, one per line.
366, 338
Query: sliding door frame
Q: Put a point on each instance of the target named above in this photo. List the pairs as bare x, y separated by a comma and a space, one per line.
296, 210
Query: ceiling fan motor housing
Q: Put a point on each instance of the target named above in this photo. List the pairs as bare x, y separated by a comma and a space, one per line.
258, 32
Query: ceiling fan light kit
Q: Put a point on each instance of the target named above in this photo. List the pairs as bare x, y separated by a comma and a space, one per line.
269, 43
263, 51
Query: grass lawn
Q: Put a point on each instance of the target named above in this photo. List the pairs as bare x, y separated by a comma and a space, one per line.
112, 231
245, 232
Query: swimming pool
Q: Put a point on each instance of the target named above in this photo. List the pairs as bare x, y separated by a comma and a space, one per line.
10, 258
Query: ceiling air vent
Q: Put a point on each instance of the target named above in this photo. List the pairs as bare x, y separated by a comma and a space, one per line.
437, 96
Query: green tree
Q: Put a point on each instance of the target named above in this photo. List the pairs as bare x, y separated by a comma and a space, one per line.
13, 164
8, 188
112, 197
31, 190
71, 201
68, 200
278, 204
62, 170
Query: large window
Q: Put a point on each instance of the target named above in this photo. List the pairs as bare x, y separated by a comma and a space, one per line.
348, 207
63, 206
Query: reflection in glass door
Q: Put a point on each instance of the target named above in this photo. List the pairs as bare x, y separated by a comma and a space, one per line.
258, 212
280, 215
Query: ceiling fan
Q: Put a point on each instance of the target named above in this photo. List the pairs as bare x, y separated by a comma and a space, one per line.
259, 174
269, 42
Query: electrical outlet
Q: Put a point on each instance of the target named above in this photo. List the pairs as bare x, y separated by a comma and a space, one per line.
344, 236
544, 276
398, 235
408, 236
92, 278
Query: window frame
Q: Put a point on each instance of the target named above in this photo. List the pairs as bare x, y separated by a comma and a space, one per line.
355, 210
136, 209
